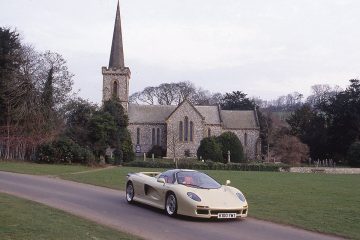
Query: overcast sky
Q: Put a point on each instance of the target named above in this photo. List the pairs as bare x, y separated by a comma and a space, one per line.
263, 48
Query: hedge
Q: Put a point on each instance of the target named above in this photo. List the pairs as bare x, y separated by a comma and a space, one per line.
209, 165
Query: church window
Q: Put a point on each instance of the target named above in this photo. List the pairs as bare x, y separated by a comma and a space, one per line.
186, 129
209, 132
158, 137
191, 131
138, 136
153, 136
245, 139
181, 130
115, 89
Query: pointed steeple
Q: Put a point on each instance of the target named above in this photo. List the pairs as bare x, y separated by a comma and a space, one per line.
117, 51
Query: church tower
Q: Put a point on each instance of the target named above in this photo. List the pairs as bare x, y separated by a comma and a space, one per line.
116, 77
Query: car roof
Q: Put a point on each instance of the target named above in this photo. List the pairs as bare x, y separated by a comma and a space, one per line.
180, 170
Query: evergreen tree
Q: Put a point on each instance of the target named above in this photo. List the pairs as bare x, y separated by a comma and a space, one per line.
209, 149
310, 127
237, 100
47, 95
10, 60
343, 119
78, 114
108, 128
230, 142
353, 154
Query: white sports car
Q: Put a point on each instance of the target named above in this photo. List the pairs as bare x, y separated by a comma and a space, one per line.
186, 192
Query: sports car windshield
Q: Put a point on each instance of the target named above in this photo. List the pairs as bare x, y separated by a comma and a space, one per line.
196, 179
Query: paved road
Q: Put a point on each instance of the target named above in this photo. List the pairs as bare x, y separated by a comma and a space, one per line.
109, 207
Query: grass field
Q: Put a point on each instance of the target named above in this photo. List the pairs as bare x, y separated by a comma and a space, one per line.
21, 219
318, 202
41, 169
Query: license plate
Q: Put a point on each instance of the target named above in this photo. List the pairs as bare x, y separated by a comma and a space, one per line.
226, 215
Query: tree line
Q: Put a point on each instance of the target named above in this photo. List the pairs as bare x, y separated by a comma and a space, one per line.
42, 119
293, 129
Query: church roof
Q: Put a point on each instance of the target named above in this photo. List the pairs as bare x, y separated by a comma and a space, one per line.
149, 113
210, 113
238, 119
117, 51
157, 114
194, 107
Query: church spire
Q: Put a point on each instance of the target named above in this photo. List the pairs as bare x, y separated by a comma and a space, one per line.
117, 52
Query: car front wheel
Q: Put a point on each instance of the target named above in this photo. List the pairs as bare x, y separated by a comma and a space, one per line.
171, 204
130, 192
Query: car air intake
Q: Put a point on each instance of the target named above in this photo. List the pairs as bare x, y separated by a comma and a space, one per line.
202, 211
215, 212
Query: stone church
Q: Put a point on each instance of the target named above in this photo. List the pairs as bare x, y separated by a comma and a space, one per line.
179, 129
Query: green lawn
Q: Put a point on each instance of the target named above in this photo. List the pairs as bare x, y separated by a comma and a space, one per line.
40, 169
320, 202
25, 220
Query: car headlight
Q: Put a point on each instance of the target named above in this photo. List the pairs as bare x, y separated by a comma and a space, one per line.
194, 197
241, 196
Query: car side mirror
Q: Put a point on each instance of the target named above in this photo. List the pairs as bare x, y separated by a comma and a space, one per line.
161, 180
227, 182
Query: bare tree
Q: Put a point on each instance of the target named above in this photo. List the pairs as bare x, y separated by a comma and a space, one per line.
148, 95
134, 98
62, 78
185, 90
321, 94
166, 93
173, 142
291, 150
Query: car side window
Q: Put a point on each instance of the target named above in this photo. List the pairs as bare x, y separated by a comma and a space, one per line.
169, 177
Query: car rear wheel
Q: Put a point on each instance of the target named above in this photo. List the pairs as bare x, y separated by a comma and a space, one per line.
130, 192
171, 204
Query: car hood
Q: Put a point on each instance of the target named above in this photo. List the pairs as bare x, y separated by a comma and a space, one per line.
223, 197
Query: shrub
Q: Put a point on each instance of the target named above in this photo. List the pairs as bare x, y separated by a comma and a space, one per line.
353, 154
64, 150
118, 156
158, 151
209, 149
208, 165
230, 142
290, 150
128, 154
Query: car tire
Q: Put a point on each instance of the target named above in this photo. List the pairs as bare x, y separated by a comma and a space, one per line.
171, 205
130, 193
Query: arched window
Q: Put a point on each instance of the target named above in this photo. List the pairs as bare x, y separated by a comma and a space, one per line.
186, 129
158, 137
115, 89
181, 131
191, 131
245, 139
209, 132
138, 136
153, 136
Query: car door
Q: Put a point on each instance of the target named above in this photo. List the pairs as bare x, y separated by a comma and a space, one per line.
156, 191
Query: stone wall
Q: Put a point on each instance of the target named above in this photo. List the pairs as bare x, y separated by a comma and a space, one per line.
252, 146
215, 130
185, 109
121, 76
325, 170
146, 136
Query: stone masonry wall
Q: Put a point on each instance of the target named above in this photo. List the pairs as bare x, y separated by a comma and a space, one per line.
173, 131
215, 130
121, 76
251, 148
146, 136
325, 170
